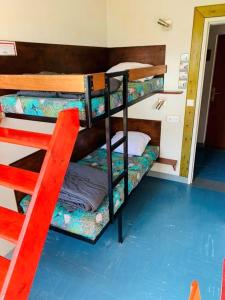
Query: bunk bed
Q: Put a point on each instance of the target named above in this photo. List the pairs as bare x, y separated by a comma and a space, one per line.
89, 226
85, 92
96, 113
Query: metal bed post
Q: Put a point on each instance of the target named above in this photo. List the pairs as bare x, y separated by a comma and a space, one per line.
112, 183
88, 101
108, 128
125, 154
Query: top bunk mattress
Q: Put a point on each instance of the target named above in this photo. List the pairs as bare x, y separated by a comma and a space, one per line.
50, 107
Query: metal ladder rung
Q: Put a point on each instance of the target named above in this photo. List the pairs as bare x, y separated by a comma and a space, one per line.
115, 110
118, 143
118, 179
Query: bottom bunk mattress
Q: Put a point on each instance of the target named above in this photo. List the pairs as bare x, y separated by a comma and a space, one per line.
51, 106
90, 224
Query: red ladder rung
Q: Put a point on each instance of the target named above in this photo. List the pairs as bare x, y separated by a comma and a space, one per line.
10, 224
18, 179
4, 265
25, 138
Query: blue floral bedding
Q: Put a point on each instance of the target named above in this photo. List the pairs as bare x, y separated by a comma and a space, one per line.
90, 224
50, 107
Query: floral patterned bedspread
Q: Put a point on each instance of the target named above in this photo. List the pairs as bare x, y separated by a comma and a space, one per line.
89, 224
50, 107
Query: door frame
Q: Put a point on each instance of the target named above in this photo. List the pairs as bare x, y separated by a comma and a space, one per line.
204, 16
211, 82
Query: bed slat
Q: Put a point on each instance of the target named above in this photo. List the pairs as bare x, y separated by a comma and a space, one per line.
139, 73
56, 83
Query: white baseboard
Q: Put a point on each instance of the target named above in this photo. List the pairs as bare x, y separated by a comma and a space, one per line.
168, 177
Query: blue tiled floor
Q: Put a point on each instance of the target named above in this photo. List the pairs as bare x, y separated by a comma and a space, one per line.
174, 234
210, 164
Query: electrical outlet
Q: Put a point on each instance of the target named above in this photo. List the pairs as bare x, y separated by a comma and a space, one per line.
173, 119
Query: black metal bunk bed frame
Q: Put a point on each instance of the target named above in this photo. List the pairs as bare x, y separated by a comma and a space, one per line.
112, 183
88, 123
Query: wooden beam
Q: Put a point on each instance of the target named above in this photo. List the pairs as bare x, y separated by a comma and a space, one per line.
167, 161
56, 83
139, 73
98, 80
196, 47
167, 92
212, 11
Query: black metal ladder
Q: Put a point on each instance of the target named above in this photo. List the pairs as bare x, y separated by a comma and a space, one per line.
113, 182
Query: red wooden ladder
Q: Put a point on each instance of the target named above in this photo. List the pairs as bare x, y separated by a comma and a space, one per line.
29, 232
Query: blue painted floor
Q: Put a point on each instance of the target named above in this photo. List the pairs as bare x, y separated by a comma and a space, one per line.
210, 164
174, 234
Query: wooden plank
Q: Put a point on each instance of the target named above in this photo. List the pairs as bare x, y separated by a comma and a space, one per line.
153, 55
18, 179
167, 161
98, 80
56, 83
187, 140
10, 224
139, 73
196, 47
212, 11
34, 58
149, 127
25, 138
167, 92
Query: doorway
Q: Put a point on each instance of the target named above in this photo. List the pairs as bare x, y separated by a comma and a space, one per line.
210, 153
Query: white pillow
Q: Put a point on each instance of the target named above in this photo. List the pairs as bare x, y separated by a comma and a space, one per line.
127, 66
137, 142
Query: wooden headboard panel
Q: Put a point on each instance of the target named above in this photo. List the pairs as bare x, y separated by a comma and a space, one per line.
150, 127
154, 55
90, 139
37, 57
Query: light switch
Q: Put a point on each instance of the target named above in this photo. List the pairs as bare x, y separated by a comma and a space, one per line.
172, 119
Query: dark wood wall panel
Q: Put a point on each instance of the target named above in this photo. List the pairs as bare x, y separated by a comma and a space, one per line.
154, 55
37, 57
150, 127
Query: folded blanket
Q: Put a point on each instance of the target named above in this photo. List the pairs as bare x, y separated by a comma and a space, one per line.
84, 187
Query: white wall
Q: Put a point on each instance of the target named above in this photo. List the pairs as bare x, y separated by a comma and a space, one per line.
132, 22
215, 30
73, 22
100, 23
